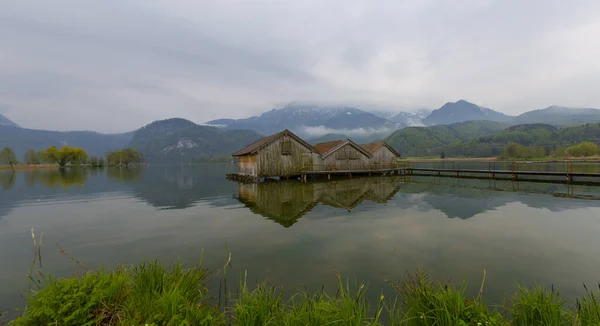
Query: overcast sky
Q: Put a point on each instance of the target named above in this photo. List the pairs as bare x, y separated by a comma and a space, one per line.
115, 65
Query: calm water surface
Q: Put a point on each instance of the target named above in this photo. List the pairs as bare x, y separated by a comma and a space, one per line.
300, 234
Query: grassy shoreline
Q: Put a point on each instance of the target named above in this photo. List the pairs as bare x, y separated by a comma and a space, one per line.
154, 294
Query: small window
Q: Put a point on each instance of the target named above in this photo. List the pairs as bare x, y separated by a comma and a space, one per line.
354, 154
286, 147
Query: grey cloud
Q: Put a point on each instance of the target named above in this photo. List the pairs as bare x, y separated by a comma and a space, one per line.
145, 60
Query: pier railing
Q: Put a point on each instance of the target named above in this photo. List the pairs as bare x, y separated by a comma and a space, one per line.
318, 168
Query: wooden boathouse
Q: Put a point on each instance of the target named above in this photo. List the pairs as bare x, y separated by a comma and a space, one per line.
342, 155
383, 155
280, 155
286, 155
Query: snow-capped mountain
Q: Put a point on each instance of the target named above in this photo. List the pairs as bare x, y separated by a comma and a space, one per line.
411, 119
404, 118
311, 120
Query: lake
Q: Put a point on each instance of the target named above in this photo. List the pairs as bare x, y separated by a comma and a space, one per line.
297, 235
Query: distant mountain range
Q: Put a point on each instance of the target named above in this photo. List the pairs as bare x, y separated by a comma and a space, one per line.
314, 121
559, 116
311, 120
404, 119
461, 111
161, 140
4, 121
21, 139
178, 140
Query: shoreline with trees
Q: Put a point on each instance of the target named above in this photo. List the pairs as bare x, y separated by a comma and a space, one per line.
66, 156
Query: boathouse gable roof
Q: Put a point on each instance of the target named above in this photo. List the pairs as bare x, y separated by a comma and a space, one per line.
256, 146
328, 148
325, 147
372, 147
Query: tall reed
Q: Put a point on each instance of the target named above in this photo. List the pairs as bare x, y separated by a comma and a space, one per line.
539, 306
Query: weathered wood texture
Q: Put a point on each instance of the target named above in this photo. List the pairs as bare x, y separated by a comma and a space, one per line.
346, 157
383, 157
284, 157
247, 165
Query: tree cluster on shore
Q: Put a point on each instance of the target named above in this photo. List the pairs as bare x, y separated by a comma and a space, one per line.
72, 156
488, 139
515, 150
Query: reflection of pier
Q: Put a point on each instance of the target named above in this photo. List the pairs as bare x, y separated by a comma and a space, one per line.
285, 202
520, 175
493, 186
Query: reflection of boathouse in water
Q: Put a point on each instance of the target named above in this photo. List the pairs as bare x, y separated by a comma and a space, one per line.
285, 202
286, 155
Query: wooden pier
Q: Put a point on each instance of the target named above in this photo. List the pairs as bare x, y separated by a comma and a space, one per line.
305, 175
406, 169
549, 176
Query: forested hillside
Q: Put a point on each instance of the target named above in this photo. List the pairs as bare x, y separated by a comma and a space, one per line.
535, 135
428, 141
487, 139
176, 140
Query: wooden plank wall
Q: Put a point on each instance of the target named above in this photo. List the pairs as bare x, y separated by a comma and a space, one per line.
271, 161
384, 158
247, 165
332, 162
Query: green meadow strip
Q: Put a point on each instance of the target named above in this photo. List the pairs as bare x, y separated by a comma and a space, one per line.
153, 293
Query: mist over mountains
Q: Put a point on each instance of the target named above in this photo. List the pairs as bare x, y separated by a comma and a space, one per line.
165, 139
318, 121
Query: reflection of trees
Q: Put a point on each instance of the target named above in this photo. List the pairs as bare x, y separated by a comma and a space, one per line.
7, 179
286, 201
172, 187
31, 177
125, 174
65, 178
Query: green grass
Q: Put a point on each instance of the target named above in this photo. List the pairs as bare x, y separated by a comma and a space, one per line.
424, 302
146, 294
266, 306
539, 306
588, 308
155, 294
